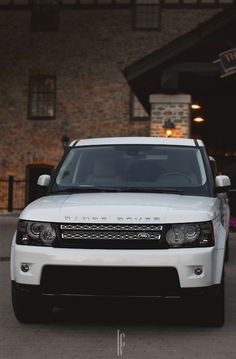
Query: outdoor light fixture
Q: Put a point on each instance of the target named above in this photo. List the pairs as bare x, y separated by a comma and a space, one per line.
65, 140
168, 126
195, 106
198, 119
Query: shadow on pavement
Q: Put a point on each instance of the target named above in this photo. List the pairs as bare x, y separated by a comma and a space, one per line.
128, 312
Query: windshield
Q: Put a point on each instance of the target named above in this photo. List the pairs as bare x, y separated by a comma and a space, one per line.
133, 167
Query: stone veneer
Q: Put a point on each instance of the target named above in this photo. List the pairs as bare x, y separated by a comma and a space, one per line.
170, 107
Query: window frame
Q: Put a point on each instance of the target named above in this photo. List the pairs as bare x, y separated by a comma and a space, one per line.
31, 93
147, 28
38, 11
198, 4
133, 116
13, 4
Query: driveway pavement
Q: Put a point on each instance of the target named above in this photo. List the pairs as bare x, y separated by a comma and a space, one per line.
126, 330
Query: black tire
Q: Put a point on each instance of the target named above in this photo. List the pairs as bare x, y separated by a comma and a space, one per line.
29, 307
213, 307
227, 250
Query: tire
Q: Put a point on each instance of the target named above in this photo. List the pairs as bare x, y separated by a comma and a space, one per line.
213, 307
29, 307
227, 250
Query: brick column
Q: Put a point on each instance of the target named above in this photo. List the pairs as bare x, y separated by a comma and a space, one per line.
170, 107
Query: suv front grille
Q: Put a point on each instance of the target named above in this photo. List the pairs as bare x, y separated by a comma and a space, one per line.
132, 236
111, 227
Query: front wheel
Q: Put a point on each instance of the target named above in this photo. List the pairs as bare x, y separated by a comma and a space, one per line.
29, 307
227, 250
213, 307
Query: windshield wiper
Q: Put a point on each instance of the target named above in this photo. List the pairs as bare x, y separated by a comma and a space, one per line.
85, 189
88, 189
151, 190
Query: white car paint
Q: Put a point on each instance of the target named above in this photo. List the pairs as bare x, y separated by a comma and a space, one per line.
118, 207
126, 208
136, 140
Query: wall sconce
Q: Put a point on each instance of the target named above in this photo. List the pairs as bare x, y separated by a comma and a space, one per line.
168, 126
196, 106
198, 119
65, 140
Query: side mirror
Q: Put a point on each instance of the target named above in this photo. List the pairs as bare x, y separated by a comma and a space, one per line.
222, 183
44, 180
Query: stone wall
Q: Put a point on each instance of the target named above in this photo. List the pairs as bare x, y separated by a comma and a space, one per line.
87, 56
175, 108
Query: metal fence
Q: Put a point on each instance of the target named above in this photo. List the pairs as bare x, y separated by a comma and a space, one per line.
12, 194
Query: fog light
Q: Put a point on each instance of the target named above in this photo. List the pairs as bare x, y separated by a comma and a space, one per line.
198, 270
25, 267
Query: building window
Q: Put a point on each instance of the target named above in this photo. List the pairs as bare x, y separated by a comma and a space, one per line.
137, 112
199, 3
42, 97
45, 15
120, 3
147, 14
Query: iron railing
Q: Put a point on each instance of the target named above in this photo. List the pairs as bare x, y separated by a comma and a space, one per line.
12, 194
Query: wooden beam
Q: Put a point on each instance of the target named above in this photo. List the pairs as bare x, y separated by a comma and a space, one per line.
170, 76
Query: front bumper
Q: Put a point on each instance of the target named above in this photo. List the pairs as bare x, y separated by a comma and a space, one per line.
181, 261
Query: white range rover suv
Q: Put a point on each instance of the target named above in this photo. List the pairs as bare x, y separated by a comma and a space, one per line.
124, 217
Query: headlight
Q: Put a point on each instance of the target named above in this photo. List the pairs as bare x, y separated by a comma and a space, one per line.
190, 235
35, 233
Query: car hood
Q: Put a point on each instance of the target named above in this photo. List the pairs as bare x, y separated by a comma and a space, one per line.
122, 208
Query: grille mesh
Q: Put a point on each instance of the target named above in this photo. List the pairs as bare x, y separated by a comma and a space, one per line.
106, 235
110, 235
111, 227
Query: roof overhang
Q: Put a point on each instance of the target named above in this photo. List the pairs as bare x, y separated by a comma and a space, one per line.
183, 64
